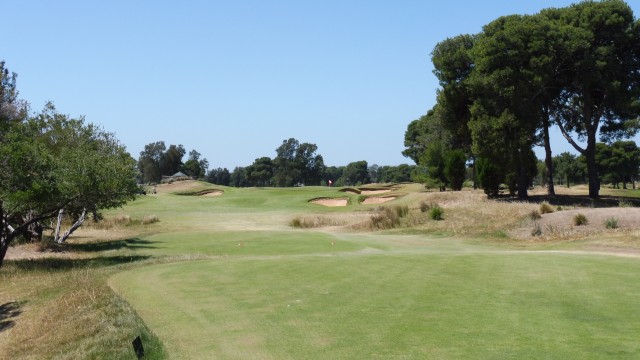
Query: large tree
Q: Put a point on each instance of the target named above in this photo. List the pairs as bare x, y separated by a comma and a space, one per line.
601, 83
297, 163
54, 164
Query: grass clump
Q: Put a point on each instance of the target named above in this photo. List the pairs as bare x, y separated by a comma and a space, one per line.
386, 218
402, 211
149, 219
534, 215
537, 230
580, 220
611, 223
309, 222
436, 212
424, 206
545, 208
624, 203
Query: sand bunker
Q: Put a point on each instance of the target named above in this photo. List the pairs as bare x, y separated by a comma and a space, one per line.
330, 201
374, 192
212, 193
377, 200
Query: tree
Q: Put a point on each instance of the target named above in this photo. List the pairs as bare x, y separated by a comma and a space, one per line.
601, 83
219, 176
297, 163
238, 177
171, 160
568, 169
261, 171
455, 165
55, 165
194, 166
149, 162
356, 173
618, 163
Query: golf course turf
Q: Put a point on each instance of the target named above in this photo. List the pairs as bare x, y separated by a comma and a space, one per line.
244, 284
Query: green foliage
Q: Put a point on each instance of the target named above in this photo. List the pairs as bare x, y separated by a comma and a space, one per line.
568, 169
611, 223
355, 173
455, 165
580, 220
297, 163
489, 176
436, 212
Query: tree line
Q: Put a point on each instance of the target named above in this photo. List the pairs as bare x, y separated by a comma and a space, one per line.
156, 161
576, 68
55, 167
298, 164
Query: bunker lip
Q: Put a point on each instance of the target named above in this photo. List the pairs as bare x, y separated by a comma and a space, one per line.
209, 192
331, 202
377, 199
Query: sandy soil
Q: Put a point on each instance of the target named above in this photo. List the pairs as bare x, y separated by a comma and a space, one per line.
377, 200
331, 202
213, 193
176, 186
561, 222
374, 192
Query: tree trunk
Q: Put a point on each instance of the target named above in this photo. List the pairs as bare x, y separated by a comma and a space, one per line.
58, 225
523, 179
548, 160
474, 174
592, 167
61, 239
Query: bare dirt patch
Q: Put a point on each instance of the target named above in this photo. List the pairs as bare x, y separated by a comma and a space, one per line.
377, 200
332, 202
561, 223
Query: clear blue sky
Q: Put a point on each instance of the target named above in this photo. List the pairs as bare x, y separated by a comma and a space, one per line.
232, 79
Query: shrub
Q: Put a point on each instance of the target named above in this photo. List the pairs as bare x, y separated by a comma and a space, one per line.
537, 231
545, 208
455, 167
436, 212
624, 203
385, 219
580, 220
149, 219
489, 176
559, 208
534, 215
402, 211
611, 223
424, 207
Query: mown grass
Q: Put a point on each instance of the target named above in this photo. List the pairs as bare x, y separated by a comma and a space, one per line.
444, 306
228, 277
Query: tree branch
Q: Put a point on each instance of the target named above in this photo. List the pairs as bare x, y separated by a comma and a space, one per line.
569, 138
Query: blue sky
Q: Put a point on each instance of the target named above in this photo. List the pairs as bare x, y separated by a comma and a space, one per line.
233, 79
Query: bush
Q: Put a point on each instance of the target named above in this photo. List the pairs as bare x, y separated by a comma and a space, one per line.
424, 207
436, 212
580, 220
611, 223
401, 211
385, 219
455, 168
545, 208
489, 176
534, 215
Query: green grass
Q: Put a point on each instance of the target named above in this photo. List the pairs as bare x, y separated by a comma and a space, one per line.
393, 305
228, 277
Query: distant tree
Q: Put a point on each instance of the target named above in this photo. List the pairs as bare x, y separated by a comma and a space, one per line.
568, 169
297, 163
261, 171
618, 163
219, 176
195, 166
171, 160
149, 161
490, 176
334, 173
356, 173
238, 177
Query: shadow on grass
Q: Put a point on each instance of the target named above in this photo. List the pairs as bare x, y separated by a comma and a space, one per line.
111, 245
52, 263
577, 200
8, 312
